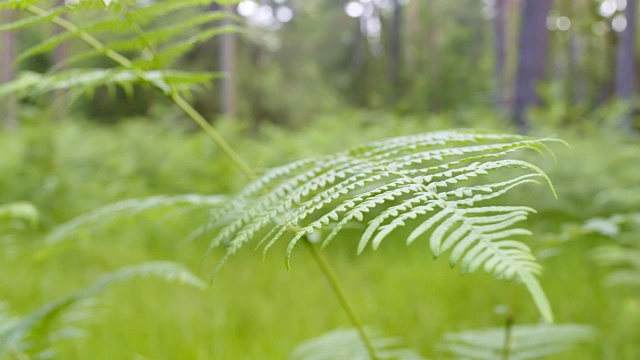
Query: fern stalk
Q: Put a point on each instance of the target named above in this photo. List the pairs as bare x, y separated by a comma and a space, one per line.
508, 329
330, 275
226, 148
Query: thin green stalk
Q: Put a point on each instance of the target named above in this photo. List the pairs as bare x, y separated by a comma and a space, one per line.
327, 271
213, 134
508, 329
331, 277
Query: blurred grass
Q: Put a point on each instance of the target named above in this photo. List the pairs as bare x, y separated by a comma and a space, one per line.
256, 310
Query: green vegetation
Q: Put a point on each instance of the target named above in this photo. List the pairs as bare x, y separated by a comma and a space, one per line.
397, 290
84, 197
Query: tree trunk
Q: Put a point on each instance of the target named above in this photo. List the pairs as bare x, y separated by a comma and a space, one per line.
10, 112
625, 62
395, 48
228, 90
412, 51
533, 44
433, 49
500, 33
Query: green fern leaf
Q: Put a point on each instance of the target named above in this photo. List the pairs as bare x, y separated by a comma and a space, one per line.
346, 344
443, 185
526, 341
162, 32
130, 208
30, 84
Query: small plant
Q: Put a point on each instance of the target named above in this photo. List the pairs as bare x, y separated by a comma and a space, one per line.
522, 342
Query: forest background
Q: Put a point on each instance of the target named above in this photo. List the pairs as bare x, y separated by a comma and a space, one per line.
303, 78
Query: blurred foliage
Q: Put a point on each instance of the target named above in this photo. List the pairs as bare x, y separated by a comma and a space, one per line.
82, 165
34, 335
310, 86
321, 60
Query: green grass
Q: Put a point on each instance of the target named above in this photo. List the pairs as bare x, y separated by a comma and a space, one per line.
258, 310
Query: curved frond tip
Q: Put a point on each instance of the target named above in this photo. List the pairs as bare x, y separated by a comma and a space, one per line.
443, 186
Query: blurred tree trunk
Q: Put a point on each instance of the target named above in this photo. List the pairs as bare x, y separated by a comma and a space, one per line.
500, 41
10, 112
575, 83
433, 55
414, 33
625, 85
533, 45
228, 49
395, 48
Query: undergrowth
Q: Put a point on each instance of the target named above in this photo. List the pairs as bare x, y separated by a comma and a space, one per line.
443, 186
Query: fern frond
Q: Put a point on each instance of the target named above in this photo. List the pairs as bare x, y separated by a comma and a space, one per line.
526, 341
163, 32
132, 207
31, 84
33, 332
341, 344
443, 185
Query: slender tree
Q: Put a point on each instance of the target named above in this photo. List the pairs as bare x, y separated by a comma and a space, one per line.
414, 35
60, 54
228, 89
625, 85
10, 112
533, 45
395, 48
500, 33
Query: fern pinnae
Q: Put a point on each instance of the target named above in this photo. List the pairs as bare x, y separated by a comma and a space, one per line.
377, 222
29, 21
267, 209
173, 51
333, 193
418, 157
394, 146
398, 163
355, 208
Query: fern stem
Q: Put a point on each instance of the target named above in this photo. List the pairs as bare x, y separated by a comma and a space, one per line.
508, 329
226, 149
342, 297
213, 134
83, 35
